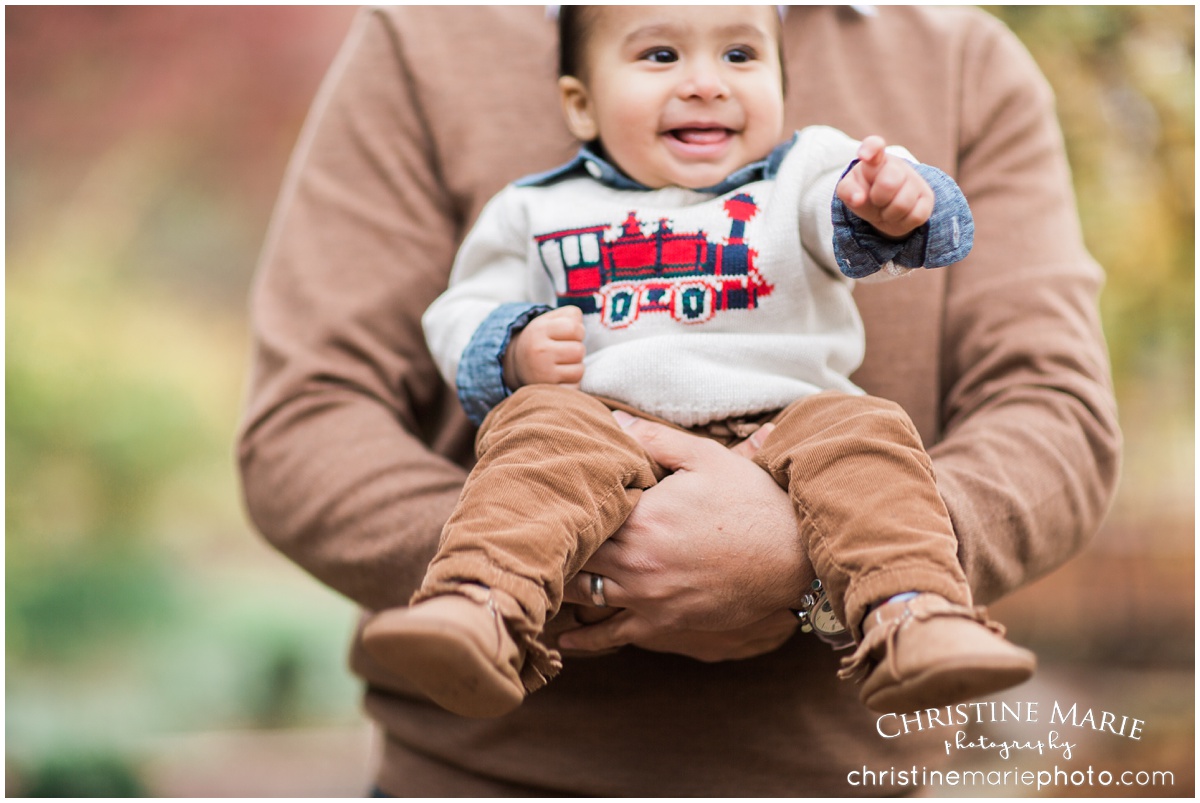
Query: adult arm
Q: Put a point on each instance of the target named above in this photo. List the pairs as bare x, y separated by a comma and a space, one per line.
335, 468
1030, 449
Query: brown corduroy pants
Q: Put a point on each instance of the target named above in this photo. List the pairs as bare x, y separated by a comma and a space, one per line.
556, 475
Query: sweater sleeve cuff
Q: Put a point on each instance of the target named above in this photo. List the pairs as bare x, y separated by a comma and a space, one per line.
480, 377
945, 238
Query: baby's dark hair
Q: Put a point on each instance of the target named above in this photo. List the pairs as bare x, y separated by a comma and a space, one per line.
571, 23
572, 36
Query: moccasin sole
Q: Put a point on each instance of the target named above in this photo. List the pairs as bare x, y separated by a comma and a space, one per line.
447, 659
947, 683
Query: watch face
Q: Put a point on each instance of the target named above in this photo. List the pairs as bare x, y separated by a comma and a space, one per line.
824, 620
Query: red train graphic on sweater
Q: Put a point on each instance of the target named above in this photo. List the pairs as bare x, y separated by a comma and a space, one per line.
683, 274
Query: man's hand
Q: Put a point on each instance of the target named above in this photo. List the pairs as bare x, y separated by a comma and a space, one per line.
706, 563
886, 191
548, 351
624, 627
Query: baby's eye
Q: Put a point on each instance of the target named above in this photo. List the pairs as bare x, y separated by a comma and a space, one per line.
739, 55
661, 55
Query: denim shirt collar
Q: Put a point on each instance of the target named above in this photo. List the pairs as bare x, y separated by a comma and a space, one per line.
591, 163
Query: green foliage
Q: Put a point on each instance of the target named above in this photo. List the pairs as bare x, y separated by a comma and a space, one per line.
68, 606
83, 774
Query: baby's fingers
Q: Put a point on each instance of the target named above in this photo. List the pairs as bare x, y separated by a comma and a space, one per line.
567, 352
902, 202
888, 183
913, 197
566, 362
564, 323
853, 189
871, 152
909, 209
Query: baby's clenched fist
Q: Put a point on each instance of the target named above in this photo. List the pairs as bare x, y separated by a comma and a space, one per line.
549, 350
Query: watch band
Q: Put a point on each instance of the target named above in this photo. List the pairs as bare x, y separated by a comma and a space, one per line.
816, 616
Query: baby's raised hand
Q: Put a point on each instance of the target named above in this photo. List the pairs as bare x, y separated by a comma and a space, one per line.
549, 350
886, 191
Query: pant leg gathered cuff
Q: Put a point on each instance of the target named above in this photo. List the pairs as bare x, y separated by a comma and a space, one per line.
879, 586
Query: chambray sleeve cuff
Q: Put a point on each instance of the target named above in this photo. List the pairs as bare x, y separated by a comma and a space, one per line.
945, 238
480, 377
950, 232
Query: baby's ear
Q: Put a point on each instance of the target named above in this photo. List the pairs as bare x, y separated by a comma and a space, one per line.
577, 109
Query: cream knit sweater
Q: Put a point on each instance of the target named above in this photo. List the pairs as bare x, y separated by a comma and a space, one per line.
698, 307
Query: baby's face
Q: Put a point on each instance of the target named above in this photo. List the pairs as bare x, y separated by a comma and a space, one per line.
679, 95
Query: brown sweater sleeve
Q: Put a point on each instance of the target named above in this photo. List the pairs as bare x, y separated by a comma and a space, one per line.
1030, 449
335, 471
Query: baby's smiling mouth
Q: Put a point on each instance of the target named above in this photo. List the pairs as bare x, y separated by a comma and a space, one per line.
708, 135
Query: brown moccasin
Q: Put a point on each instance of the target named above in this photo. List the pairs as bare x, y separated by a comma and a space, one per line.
456, 650
927, 652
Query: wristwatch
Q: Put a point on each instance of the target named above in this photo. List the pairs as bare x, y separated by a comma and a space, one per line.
816, 616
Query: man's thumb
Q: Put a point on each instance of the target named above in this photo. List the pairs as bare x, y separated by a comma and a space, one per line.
671, 448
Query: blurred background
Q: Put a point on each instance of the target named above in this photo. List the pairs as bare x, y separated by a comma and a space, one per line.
155, 646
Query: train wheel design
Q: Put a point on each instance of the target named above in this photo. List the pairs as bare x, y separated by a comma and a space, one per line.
620, 307
694, 303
